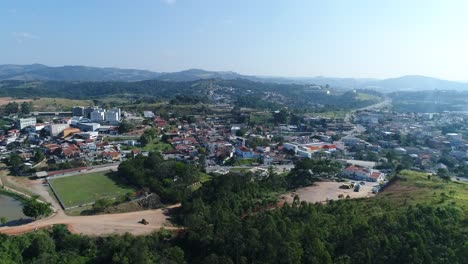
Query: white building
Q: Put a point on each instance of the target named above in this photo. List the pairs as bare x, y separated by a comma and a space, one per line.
234, 130
55, 129
148, 114
290, 146
25, 122
112, 115
454, 136
98, 115
89, 135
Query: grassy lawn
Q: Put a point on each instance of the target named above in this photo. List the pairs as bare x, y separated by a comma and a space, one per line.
203, 177
245, 162
159, 146
87, 188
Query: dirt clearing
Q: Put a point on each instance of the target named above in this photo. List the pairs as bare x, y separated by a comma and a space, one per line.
324, 191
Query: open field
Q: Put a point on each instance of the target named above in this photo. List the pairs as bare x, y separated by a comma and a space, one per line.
261, 118
6, 100
87, 188
58, 104
364, 97
325, 191
100, 225
418, 188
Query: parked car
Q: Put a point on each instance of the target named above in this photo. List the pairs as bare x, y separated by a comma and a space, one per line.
357, 187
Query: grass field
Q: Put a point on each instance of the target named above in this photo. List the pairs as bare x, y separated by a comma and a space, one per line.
364, 97
58, 104
87, 188
417, 188
261, 118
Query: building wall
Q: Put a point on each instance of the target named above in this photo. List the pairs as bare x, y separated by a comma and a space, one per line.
25, 122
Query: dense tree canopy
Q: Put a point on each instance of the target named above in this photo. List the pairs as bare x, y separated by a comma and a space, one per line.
169, 179
33, 208
228, 220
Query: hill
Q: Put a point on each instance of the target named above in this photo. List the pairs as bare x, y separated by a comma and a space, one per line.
72, 73
39, 72
415, 83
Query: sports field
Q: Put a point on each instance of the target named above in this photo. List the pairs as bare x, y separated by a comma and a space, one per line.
87, 188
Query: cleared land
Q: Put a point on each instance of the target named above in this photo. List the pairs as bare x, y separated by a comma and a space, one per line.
325, 191
6, 100
87, 188
58, 104
100, 225
419, 188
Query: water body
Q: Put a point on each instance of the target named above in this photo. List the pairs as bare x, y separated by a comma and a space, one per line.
10, 208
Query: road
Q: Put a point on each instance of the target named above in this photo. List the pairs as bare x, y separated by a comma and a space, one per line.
280, 168
382, 104
106, 167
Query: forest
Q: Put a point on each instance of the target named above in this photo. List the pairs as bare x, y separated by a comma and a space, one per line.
246, 93
236, 218
218, 231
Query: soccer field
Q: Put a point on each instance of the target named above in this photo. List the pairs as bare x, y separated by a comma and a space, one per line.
87, 188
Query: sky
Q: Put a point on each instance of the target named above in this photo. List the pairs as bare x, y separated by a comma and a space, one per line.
295, 38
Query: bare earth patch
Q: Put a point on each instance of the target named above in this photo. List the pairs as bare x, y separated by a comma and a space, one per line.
324, 191
100, 225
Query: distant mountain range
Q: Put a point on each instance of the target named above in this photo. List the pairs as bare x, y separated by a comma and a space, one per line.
39, 72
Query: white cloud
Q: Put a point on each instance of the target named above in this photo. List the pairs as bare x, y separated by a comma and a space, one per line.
21, 37
169, 2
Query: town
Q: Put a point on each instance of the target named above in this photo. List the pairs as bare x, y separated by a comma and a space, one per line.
369, 144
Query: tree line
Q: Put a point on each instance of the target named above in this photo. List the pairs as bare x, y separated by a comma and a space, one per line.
228, 220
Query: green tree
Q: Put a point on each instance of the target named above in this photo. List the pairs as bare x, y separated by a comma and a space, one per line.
3, 220
280, 117
149, 136
15, 161
38, 156
33, 208
11, 108
26, 108
42, 245
101, 204
125, 127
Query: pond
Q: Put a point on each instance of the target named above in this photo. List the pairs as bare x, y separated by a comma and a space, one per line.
10, 208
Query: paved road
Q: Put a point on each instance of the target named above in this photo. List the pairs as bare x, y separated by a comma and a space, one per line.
460, 179
277, 167
114, 166
382, 104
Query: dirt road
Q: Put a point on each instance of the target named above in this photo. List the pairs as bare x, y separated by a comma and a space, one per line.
98, 225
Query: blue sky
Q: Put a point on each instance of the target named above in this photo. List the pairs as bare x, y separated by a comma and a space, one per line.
348, 38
